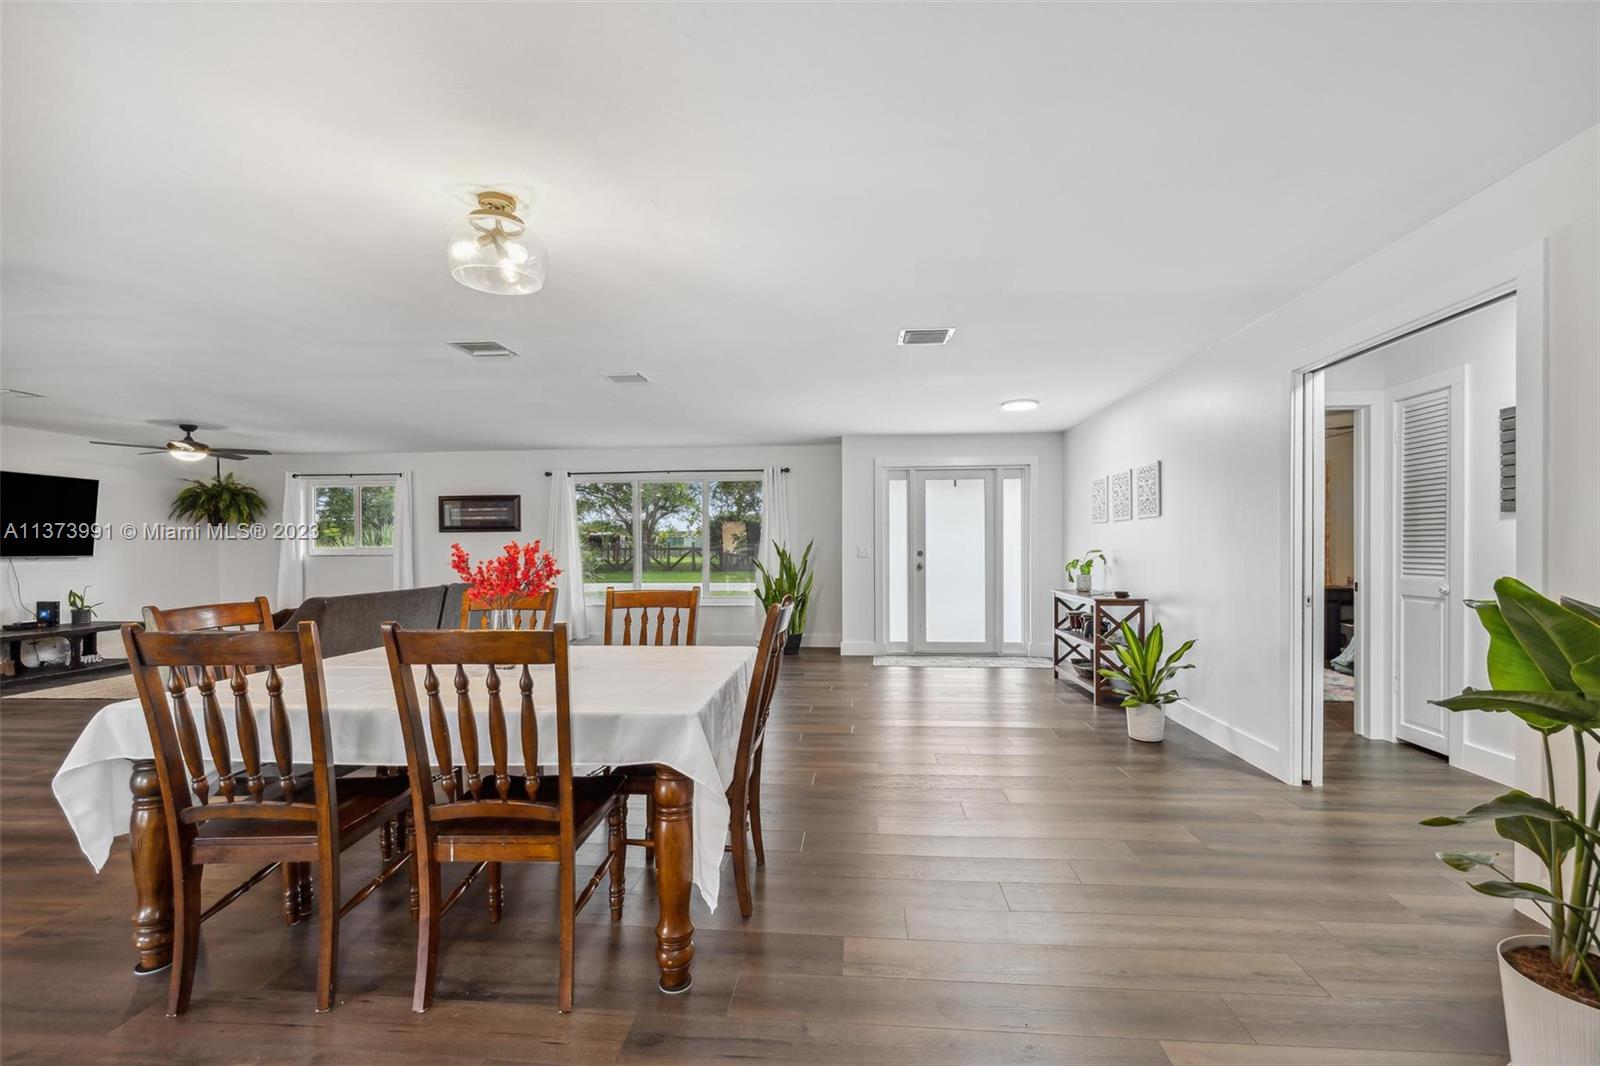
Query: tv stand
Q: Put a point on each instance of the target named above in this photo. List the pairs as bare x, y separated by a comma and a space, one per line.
76, 637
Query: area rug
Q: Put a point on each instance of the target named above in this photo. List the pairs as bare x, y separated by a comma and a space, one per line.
1337, 687
990, 662
105, 687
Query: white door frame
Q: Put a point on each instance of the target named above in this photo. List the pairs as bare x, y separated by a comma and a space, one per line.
917, 532
1523, 273
882, 470
1371, 533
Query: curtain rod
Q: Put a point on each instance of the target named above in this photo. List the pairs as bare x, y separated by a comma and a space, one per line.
593, 473
393, 473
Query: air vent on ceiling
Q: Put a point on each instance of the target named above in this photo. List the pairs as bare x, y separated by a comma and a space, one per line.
927, 336
632, 377
483, 349
24, 393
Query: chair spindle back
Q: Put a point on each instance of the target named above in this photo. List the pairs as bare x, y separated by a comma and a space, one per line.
763, 683
683, 603
540, 611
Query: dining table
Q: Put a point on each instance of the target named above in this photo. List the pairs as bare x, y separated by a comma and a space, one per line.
678, 708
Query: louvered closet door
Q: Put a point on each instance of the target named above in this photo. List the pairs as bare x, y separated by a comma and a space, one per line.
1426, 456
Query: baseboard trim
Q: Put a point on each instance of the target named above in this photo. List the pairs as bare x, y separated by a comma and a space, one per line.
1494, 765
1252, 749
858, 647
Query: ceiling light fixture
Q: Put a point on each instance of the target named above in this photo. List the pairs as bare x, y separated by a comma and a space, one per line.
491, 250
1019, 405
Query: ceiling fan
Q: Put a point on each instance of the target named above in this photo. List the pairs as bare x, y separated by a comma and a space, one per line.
187, 449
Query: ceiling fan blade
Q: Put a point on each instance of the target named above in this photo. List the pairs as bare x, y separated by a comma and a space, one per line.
228, 453
120, 444
243, 451
163, 452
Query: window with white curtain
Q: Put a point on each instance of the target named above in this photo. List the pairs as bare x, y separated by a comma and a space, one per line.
680, 532
353, 516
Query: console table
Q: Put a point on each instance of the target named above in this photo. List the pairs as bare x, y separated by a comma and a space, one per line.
1083, 624
75, 636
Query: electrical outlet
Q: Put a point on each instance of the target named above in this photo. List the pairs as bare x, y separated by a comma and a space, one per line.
863, 552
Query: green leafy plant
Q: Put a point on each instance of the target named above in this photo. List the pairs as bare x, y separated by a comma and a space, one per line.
1143, 676
79, 601
221, 501
791, 580
1544, 664
1085, 564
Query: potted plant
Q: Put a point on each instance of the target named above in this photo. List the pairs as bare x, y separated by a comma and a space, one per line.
1544, 664
1080, 570
82, 609
222, 501
1142, 678
790, 580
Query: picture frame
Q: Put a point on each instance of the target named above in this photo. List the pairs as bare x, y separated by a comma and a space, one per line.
1147, 490
1098, 506
480, 514
1122, 495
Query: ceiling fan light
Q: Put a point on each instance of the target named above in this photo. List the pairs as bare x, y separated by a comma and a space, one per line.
491, 250
187, 455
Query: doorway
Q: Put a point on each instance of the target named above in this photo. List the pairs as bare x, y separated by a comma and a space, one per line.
1426, 407
954, 539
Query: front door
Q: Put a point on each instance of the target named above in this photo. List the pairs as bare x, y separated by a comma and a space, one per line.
955, 568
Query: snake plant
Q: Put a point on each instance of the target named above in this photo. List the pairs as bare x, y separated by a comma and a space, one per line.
790, 580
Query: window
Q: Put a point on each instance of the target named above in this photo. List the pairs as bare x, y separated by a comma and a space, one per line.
703, 532
352, 517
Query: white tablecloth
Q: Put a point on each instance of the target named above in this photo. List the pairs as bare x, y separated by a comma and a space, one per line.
676, 706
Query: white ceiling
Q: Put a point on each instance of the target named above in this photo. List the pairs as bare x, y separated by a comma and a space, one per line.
237, 215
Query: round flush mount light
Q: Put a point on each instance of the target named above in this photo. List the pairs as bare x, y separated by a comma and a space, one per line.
1019, 405
491, 249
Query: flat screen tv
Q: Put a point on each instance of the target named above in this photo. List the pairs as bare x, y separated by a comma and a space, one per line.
45, 515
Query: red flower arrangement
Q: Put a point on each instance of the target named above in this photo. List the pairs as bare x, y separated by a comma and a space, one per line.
521, 570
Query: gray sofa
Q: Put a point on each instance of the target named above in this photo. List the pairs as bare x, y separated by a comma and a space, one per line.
350, 623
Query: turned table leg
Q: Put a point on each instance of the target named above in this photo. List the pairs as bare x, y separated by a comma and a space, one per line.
674, 795
152, 871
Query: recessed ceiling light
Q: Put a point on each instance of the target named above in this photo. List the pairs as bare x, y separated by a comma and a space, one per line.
1019, 405
941, 335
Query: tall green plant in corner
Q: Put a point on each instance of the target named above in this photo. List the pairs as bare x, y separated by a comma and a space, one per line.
1544, 664
221, 501
792, 579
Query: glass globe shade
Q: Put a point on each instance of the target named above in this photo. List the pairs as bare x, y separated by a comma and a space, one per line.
184, 455
495, 258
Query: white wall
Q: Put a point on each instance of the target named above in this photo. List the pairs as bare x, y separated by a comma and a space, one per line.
1216, 564
814, 502
1483, 346
859, 458
125, 574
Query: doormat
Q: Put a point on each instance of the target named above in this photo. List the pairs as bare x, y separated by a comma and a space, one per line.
990, 662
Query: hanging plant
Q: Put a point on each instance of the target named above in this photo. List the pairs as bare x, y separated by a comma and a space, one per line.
222, 501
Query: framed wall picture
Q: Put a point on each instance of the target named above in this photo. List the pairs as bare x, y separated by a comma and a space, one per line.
1147, 490
480, 514
1122, 496
1097, 500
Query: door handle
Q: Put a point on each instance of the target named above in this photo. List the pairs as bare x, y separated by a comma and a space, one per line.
1444, 590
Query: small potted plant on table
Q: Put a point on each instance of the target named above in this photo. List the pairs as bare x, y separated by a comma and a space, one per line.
82, 609
1544, 664
1142, 678
1080, 571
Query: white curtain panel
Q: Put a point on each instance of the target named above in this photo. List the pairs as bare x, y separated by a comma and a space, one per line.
561, 540
774, 515
292, 549
405, 541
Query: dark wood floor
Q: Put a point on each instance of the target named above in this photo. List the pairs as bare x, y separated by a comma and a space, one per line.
963, 866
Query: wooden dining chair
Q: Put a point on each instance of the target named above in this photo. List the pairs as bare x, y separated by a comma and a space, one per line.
540, 611
242, 810
678, 601
744, 793
243, 616
496, 817
683, 603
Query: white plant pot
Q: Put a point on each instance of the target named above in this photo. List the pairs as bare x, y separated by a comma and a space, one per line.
1147, 722
1083, 584
1544, 1026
